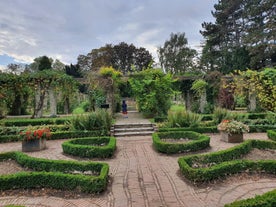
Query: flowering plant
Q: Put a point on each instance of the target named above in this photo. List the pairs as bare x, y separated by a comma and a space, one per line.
29, 135
233, 127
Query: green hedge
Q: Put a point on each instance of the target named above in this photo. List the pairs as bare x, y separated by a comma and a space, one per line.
261, 128
59, 135
57, 174
212, 129
271, 134
266, 200
90, 147
226, 162
198, 142
33, 122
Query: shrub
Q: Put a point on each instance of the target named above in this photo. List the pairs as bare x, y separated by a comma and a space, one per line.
33, 122
100, 119
271, 134
198, 142
101, 147
57, 174
220, 114
226, 162
212, 129
183, 119
266, 200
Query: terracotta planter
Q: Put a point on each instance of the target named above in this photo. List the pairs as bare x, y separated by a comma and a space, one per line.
33, 145
231, 138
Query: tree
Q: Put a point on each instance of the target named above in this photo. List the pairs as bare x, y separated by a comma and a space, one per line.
175, 56
242, 36
122, 57
153, 91
41, 63
73, 70
262, 85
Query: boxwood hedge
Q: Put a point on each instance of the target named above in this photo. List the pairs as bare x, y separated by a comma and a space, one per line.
266, 200
33, 122
91, 147
198, 141
57, 174
271, 134
226, 162
59, 135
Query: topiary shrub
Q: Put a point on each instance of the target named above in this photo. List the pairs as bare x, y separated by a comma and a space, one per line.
196, 141
100, 147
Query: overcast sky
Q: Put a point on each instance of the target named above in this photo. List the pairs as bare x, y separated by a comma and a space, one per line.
63, 29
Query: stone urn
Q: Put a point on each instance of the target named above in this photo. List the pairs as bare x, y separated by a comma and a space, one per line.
231, 138
34, 145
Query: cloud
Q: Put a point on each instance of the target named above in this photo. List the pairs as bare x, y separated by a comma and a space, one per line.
65, 29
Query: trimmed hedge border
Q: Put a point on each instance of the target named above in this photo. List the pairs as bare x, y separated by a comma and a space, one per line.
54, 174
83, 147
212, 129
199, 141
33, 122
271, 134
267, 199
59, 135
227, 162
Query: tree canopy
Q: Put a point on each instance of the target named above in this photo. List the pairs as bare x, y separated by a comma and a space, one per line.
243, 36
122, 57
175, 56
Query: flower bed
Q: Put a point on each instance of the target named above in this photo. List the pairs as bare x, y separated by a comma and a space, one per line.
198, 142
56, 174
90, 147
226, 162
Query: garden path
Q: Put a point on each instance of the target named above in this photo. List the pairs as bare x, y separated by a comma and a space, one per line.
142, 177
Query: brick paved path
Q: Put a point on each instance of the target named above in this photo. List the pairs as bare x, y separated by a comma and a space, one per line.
142, 177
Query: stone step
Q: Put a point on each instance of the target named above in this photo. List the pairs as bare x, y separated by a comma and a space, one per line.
137, 133
133, 129
133, 125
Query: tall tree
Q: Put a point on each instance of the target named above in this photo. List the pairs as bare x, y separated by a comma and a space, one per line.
122, 57
175, 56
242, 36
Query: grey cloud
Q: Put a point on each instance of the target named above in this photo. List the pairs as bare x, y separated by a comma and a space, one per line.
67, 28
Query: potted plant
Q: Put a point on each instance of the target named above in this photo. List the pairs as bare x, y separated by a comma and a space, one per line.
232, 130
34, 140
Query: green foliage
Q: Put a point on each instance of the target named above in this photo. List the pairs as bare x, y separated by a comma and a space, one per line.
33, 122
183, 118
262, 83
109, 72
271, 134
220, 114
100, 119
199, 86
197, 142
82, 108
266, 200
153, 91
226, 162
100, 147
175, 56
57, 174
210, 129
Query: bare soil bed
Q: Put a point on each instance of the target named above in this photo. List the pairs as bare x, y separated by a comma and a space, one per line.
179, 141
